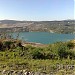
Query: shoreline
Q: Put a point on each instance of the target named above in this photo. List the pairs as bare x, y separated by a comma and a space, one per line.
34, 44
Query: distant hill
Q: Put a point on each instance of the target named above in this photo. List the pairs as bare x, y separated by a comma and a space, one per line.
16, 21
12, 21
64, 26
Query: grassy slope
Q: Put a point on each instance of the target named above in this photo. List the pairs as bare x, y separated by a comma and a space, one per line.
13, 58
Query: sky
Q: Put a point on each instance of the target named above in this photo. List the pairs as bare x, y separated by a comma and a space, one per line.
37, 10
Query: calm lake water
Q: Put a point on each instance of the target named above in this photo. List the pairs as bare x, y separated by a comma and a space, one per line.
43, 37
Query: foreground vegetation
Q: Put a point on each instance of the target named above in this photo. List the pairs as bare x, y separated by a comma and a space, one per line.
14, 56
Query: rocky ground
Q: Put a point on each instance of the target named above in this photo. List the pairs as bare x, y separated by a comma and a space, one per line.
21, 72
61, 70
24, 72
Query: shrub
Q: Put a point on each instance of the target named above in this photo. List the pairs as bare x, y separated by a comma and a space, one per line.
1, 45
70, 45
36, 54
63, 51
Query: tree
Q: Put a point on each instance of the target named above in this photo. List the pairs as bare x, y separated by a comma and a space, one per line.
63, 51
1, 45
37, 54
70, 45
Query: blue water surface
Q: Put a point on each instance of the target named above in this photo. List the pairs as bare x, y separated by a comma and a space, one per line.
43, 37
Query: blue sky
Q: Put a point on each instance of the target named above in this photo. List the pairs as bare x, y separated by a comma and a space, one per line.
37, 9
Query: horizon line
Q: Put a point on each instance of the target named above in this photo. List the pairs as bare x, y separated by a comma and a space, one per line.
36, 20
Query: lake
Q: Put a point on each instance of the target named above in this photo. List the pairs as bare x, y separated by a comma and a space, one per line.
43, 37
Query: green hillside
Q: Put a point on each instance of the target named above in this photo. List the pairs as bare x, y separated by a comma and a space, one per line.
14, 56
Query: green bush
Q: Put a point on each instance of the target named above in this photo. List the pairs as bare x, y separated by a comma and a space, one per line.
63, 51
36, 54
70, 45
1, 46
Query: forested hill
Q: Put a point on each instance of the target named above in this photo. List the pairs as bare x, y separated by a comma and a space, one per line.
64, 26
